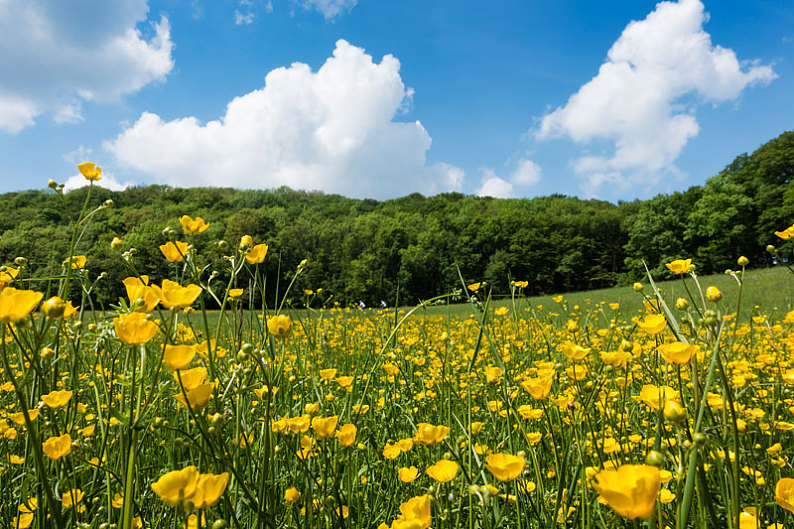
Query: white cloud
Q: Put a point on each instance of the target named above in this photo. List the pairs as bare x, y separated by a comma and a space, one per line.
330, 130
243, 15
526, 173
493, 186
108, 181
55, 55
644, 96
78, 156
330, 9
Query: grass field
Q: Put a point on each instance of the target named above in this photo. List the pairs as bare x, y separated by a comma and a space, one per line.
611, 408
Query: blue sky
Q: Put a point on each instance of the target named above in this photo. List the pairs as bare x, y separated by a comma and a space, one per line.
613, 100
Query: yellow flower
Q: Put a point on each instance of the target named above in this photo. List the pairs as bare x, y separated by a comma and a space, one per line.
175, 296
292, 496
655, 396
139, 289
493, 374
784, 493
652, 324
134, 329
178, 357
88, 431
713, 294
325, 427
198, 397
476, 427
679, 266
574, 352
17, 304
676, 353
192, 378
414, 514
58, 447
174, 252
329, 374
630, 490
408, 474
391, 451
443, 471
90, 171
786, 234
19, 417
8, 275
72, 498
77, 262
53, 307
236, 293
505, 467
347, 434
209, 489
521, 284
58, 398
193, 226
177, 486
23, 521
539, 388
279, 326
256, 254
429, 435
474, 287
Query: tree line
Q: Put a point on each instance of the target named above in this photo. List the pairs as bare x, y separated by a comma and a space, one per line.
414, 247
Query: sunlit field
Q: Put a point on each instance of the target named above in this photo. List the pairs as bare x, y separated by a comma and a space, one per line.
666, 405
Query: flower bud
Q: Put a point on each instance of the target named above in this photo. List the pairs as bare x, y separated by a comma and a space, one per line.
53, 307
743, 261
681, 304
638, 287
52, 184
47, 353
116, 243
673, 411
713, 294
108, 203
20, 261
770, 248
654, 458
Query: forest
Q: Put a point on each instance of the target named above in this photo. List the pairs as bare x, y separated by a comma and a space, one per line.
415, 247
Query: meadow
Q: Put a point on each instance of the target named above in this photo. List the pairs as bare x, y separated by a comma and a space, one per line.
657, 405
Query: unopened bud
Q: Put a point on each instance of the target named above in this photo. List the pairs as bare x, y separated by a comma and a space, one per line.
20, 261
743, 261
53, 307
52, 184
638, 287
116, 243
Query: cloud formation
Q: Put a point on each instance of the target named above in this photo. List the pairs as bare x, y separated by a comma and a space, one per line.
330, 130
108, 181
57, 55
644, 97
330, 9
526, 173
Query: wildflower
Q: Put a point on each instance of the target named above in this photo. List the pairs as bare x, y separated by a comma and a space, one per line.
139, 291
493, 374
786, 234
77, 262
504, 467
427, 434
631, 490
174, 251
784, 493
574, 352
257, 254
72, 498
408, 474
53, 307
57, 399
539, 387
414, 514
58, 447
324, 427
679, 266
175, 296
189, 225
652, 324
676, 353
197, 397
192, 378
329, 374
90, 171
116, 243
177, 486
713, 294
7, 275
19, 417
279, 326
292, 496
347, 435
209, 489
474, 287
655, 396
23, 521
134, 329
443, 471
476, 427
236, 293
178, 357
17, 304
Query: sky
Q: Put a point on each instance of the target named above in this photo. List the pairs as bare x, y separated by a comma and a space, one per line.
613, 100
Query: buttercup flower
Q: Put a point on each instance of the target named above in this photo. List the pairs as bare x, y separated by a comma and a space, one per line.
189, 225
407, 475
17, 304
197, 397
505, 467
177, 486
538, 387
630, 490
134, 329
427, 434
209, 489
676, 353
279, 326
57, 399
347, 434
784, 493
652, 324
324, 427
414, 514
292, 496
58, 447
174, 251
175, 296
443, 471
257, 254
679, 266
178, 357
90, 171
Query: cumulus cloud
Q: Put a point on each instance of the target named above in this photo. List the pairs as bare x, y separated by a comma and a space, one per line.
330, 130
526, 173
108, 181
644, 97
57, 55
330, 9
